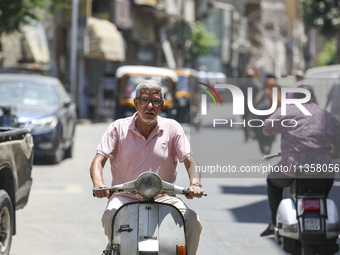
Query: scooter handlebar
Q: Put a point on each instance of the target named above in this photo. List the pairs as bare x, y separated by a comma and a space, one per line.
142, 184
112, 190
269, 156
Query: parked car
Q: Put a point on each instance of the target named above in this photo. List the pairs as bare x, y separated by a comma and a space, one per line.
43, 106
16, 157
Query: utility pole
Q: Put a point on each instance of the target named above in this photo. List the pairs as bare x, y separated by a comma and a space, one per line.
74, 42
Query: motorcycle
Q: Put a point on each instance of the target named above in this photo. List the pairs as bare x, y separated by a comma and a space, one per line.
147, 226
307, 222
8, 116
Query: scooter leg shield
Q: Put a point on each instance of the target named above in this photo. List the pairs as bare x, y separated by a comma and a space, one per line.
125, 229
148, 228
171, 229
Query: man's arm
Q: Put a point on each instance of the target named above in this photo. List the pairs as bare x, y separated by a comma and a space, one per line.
335, 152
272, 127
327, 103
194, 176
330, 96
96, 172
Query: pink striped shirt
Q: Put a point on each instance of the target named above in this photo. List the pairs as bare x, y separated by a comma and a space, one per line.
131, 154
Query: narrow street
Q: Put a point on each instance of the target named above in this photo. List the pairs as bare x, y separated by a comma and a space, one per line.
62, 217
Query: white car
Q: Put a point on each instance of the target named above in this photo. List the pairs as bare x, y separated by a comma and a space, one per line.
322, 79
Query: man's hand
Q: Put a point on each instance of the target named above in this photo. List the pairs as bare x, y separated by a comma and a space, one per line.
101, 194
195, 191
96, 172
195, 178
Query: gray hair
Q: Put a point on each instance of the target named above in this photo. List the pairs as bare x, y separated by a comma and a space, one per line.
150, 84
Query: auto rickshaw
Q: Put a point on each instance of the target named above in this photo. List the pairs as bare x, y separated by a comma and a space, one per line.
128, 78
187, 96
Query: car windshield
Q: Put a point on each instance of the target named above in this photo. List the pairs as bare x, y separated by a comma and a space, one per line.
324, 74
27, 93
183, 83
131, 83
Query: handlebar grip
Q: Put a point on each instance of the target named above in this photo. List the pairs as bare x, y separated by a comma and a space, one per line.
111, 191
186, 192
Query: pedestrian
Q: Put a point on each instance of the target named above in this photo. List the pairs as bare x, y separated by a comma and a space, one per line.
143, 142
333, 97
264, 101
315, 139
299, 80
256, 86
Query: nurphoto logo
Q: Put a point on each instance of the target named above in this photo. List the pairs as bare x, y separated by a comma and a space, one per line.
238, 100
204, 97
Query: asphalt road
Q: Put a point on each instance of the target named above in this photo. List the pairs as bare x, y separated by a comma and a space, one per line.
63, 218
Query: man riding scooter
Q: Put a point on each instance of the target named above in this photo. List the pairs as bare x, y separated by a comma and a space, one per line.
147, 142
315, 139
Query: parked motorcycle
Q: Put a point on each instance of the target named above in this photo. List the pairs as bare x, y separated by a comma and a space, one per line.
8, 117
147, 227
307, 222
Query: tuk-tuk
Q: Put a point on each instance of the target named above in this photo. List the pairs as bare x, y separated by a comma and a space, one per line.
187, 96
128, 78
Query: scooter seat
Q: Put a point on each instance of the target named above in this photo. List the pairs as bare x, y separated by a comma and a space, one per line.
309, 187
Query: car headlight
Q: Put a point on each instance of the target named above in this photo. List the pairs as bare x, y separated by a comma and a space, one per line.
45, 123
149, 184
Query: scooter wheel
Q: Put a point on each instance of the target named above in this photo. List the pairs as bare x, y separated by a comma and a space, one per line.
307, 250
290, 246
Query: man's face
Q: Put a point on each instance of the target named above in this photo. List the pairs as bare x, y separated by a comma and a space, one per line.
149, 104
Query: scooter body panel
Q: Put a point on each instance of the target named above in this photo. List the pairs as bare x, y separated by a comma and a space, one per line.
286, 220
148, 228
332, 221
289, 226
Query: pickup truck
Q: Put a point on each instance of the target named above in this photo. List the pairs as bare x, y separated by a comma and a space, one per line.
16, 160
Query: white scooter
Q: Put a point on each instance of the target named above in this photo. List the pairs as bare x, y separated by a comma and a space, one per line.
307, 222
147, 227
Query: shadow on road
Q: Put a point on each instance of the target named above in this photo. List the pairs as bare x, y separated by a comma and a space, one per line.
253, 213
242, 190
259, 211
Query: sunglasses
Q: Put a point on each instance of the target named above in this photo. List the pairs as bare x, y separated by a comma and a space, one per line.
146, 101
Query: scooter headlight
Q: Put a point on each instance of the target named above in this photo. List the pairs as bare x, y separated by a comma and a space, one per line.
149, 184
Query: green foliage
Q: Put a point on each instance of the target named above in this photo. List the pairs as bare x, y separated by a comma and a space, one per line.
201, 40
327, 56
324, 15
15, 13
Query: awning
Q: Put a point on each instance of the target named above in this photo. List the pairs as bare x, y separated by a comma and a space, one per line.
37, 42
152, 3
105, 41
27, 49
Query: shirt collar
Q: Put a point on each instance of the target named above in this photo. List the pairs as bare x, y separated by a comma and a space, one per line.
159, 126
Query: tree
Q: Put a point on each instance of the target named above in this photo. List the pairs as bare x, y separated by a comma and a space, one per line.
324, 15
327, 55
201, 40
15, 13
